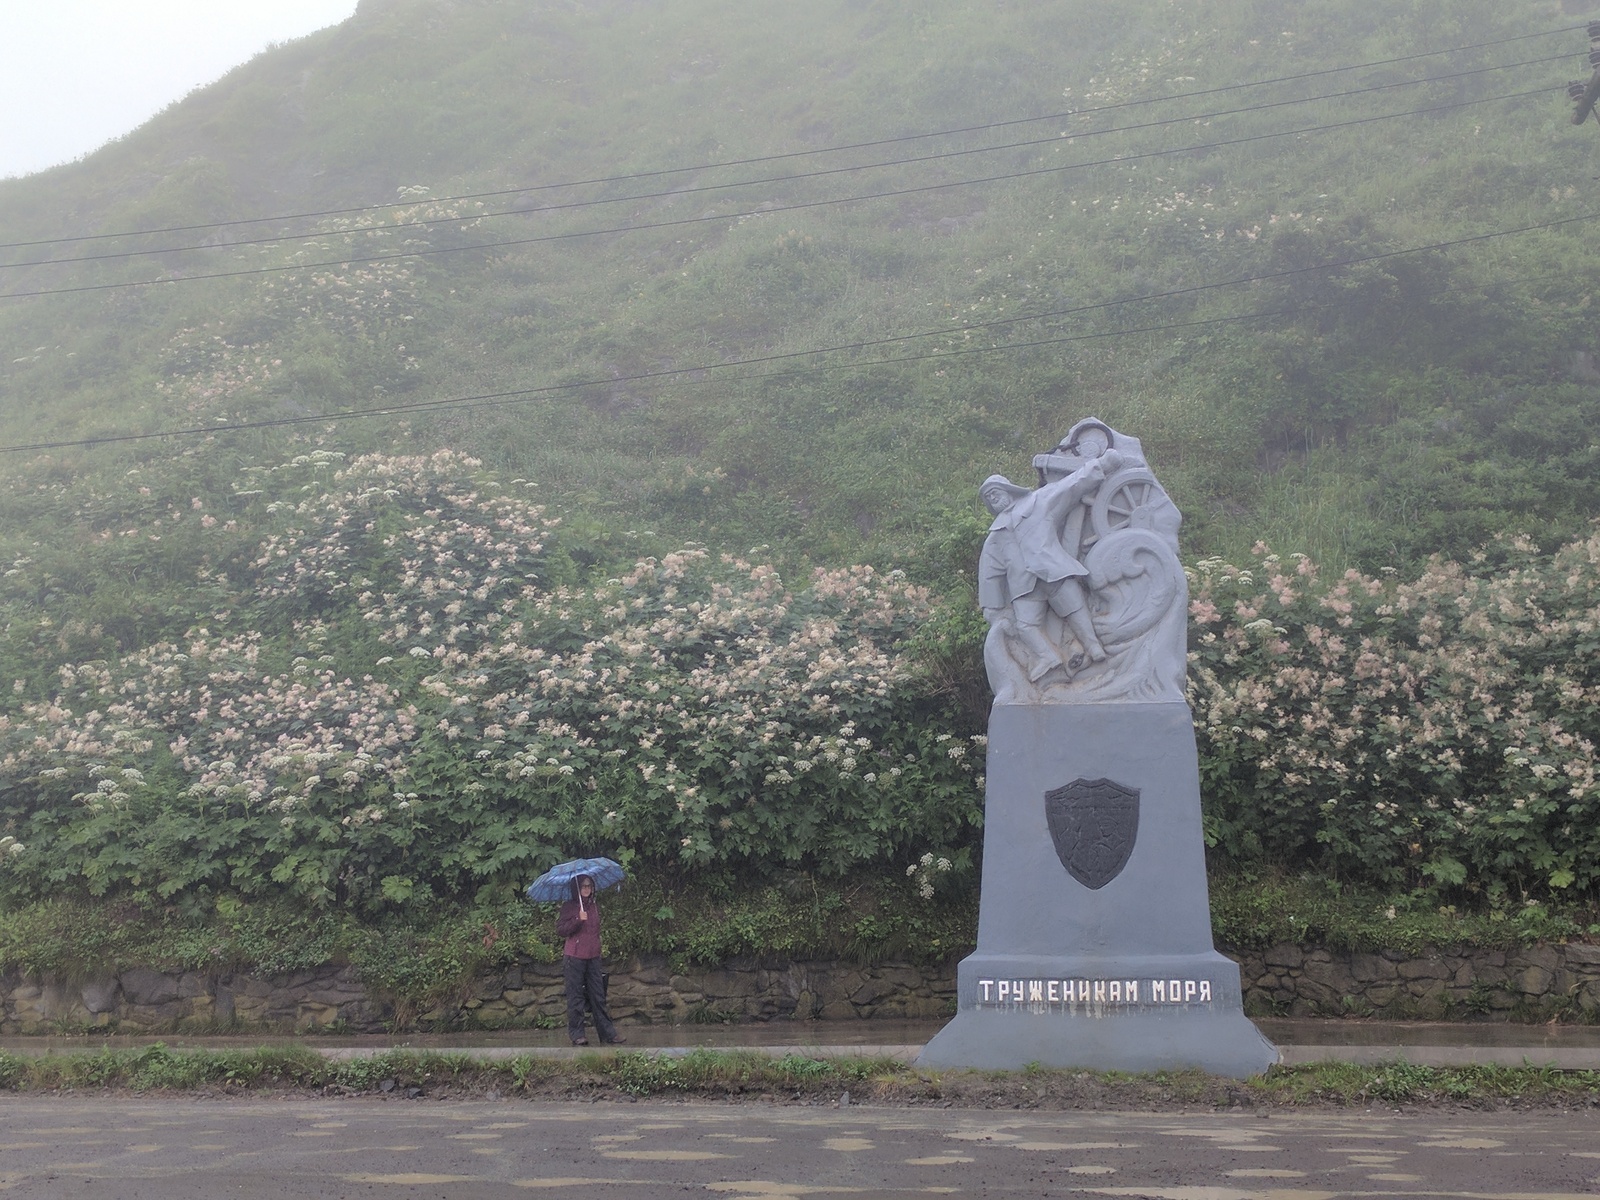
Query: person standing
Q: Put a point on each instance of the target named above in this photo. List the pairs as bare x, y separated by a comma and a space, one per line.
579, 922
1024, 570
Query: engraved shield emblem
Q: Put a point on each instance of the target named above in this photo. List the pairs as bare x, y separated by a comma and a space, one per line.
1093, 823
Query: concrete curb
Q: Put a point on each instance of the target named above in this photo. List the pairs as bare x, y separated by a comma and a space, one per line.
1563, 1058
1567, 1058
505, 1053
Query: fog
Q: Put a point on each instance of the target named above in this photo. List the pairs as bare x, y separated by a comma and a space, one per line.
76, 73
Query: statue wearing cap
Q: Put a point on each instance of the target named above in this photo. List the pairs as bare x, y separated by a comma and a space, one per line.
1026, 569
1079, 578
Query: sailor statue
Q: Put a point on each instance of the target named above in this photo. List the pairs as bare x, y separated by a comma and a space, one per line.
1080, 579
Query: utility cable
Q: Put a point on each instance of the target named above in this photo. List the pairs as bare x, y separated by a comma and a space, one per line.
522, 396
675, 193
769, 158
353, 260
451, 404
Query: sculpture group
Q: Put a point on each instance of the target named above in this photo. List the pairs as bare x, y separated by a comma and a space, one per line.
1094, 929
1080, 579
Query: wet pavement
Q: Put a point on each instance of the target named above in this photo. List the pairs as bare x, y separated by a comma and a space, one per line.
1301, 1041
64, 1148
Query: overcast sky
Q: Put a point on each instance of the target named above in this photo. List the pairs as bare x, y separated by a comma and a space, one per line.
76, 73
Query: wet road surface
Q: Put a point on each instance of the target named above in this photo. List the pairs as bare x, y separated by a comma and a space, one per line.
61, 1148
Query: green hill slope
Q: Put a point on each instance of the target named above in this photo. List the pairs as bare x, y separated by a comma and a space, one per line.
972, 292
287, 373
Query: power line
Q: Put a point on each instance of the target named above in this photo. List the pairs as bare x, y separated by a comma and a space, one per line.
520, 395
674, 193
769, 158
353, 260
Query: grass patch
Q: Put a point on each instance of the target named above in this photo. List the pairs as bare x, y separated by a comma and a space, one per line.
726, 1075
1253, 910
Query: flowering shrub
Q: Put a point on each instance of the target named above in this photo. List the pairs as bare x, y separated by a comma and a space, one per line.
405, 693
400, 681
1437, 732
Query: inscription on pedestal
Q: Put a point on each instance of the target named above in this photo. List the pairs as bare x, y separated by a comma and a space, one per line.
1093, 823
1041, 995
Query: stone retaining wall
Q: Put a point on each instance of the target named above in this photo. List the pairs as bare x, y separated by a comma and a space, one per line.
1537, 982
641, 990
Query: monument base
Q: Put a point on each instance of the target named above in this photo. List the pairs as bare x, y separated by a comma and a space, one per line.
1094, 930
1126, 1014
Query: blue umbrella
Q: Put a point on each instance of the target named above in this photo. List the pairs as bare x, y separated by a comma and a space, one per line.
556, 883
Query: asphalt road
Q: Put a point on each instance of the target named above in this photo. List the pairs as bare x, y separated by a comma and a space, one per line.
165, 1149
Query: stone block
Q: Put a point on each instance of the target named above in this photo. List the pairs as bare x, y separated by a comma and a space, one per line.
1325, 974
1284, 955
100, 995
156, 1016
1423, 968
252, 986
1579, 952
144, 987
903, 978
1534, 981
1372, 968
729, 984
1325, 998
870, 992
1543, 957
1430, 996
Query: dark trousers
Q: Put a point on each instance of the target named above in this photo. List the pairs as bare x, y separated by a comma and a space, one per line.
586, 987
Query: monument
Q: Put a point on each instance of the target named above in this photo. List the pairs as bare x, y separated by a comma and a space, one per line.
1094, 926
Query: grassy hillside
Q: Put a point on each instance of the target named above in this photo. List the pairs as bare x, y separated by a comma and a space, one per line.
1378, 410
288, 372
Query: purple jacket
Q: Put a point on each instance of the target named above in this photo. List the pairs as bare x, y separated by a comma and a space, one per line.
583, 937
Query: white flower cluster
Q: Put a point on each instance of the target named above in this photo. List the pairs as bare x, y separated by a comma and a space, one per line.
924, 870
1445, 726
698, 703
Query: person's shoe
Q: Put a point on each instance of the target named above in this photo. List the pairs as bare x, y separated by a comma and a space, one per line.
580, 1041
616, 1040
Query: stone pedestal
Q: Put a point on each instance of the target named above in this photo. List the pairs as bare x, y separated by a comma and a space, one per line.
1118, 972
